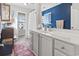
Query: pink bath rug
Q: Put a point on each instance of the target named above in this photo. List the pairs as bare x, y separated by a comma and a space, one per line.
22, 50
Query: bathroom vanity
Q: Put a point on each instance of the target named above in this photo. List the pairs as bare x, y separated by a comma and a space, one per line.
57, 42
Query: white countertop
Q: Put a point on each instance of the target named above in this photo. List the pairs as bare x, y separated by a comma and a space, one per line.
70, 36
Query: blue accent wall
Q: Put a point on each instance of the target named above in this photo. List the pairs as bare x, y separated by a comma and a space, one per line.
59, 12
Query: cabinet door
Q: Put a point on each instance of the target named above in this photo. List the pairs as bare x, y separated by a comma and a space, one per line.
58, 53
45, 47
35, 42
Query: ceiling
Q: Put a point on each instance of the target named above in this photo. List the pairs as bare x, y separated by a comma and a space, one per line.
29, 6
32, 6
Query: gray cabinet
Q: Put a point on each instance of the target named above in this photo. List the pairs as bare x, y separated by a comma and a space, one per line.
64, 47
45, 46
35, 37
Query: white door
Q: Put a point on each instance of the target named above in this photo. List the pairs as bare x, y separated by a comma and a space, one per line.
45, 47
32, 21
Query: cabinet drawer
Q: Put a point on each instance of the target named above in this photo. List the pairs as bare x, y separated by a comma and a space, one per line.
58, 53
46, 37
66, 48
35, 51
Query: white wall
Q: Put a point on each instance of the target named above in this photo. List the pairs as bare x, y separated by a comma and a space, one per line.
32, 21
45, 6
74, 12
34, 18
75, 16
14, 12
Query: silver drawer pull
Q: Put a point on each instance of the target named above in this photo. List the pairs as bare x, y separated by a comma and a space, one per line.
62, 48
